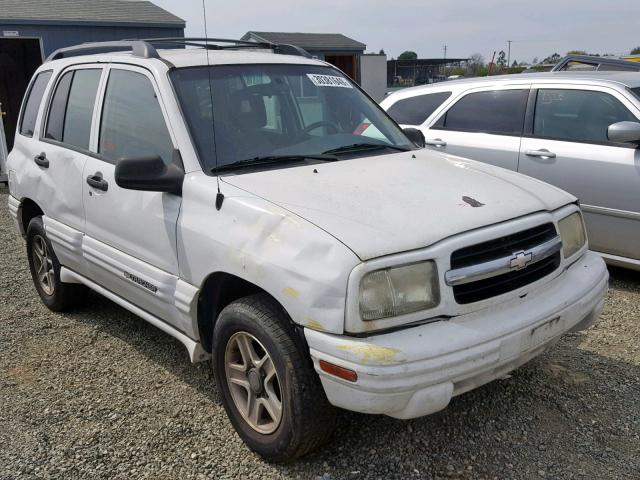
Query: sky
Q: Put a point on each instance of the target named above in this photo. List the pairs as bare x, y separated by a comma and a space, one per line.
537, 28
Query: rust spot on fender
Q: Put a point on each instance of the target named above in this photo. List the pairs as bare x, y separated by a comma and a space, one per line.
372, 353
314, 325
291, 292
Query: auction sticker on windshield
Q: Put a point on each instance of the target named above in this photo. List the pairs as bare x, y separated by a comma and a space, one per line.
328, 80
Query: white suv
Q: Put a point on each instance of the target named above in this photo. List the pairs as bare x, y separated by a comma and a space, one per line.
260, 208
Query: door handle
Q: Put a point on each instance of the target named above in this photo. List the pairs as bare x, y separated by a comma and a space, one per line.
96, 181
542, 153
435, 142
41, 160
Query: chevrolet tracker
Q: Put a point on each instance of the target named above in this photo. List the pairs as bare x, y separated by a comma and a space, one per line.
256, 205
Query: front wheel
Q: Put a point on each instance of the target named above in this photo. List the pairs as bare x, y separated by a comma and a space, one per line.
270, 391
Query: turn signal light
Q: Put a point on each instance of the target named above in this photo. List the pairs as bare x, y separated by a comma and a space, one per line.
337, 371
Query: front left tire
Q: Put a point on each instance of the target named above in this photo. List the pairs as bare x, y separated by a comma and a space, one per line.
268, 385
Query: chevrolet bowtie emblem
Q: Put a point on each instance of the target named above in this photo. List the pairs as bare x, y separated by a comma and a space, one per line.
520, 260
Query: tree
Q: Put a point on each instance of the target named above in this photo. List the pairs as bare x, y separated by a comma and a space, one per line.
555, 58
474, 63
635, 51
502, 58
514, 64
577, 52
381, 52
408, 55
535, 60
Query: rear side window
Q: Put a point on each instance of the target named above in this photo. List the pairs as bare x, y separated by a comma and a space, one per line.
132, 121
415, 110
72, 106
499, 112
577, 115
32, 105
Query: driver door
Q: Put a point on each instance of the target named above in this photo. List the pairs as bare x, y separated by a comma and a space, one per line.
130, 242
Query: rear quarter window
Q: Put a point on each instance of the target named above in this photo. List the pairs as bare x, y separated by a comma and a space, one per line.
32, 104
415, 110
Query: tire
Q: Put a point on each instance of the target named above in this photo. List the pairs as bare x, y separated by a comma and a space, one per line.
306, 419
57, 296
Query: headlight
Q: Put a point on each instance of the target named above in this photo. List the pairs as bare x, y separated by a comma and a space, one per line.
572, 234
398, 290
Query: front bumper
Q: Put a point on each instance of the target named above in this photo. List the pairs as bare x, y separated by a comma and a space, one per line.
416, 371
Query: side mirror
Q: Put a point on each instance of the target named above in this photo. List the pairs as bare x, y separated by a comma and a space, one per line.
150, 174
624, 132
416, 137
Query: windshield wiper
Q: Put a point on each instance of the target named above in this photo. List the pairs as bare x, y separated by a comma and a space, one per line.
365, 146
272, 159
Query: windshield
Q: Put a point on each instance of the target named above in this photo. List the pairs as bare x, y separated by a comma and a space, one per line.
280, 111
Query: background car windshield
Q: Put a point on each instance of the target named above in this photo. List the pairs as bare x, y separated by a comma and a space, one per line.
265, 110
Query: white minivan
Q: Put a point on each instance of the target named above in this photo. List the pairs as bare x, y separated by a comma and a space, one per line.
231, 196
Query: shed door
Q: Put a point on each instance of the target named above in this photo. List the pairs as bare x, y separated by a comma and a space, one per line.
19, 59
346, 63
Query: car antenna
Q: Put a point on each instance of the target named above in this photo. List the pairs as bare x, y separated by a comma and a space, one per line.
219, 195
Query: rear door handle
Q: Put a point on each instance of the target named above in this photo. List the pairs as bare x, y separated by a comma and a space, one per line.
542, 153
41, 160
96, 181
436, 142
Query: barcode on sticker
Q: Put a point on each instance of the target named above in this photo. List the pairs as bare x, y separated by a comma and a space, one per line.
328, 81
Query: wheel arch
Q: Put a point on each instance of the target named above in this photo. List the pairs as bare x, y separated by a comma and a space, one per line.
26, 212
218, 290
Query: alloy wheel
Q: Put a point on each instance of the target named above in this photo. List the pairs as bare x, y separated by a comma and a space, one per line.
43, 264
253, 382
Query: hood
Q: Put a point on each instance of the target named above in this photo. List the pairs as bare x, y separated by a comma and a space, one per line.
398, 202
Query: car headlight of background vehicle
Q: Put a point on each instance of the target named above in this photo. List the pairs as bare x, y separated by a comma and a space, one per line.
572, 234
398, 290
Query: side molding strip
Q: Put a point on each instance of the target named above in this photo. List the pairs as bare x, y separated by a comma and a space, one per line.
614, 212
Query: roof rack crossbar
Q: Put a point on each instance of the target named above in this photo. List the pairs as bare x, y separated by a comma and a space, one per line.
139, 48
206, 40
209, 43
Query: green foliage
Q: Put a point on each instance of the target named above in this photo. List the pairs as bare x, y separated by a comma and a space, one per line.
577, 52
555, 58
502, 58
635, 51
408, 55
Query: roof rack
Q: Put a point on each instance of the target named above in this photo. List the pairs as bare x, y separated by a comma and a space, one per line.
212, 44
601, 64
145, 48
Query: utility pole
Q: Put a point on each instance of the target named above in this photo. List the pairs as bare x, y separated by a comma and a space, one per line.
509, 54
444, 65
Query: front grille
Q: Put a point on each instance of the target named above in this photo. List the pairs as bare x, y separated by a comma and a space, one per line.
500, 248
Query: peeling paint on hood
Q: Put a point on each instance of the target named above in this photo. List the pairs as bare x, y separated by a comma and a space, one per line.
398, 202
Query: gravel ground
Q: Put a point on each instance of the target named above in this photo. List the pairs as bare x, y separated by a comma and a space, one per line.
98, 393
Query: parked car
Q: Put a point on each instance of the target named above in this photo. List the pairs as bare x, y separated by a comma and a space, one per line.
230, 198
580, 132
